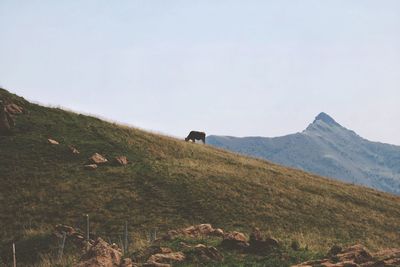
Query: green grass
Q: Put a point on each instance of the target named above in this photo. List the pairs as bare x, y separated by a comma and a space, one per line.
170, 184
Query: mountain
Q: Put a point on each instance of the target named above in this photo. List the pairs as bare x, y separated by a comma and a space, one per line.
326, 148
168, 184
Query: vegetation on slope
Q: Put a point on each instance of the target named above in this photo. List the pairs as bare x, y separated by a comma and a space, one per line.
171, 183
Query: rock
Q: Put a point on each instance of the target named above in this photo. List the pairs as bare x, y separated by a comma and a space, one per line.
234, 240
127, 262
100, 254
158, 250
14, 109
53, 142
390, 257
357, 253
98, 159
218, 232
73, 150
91, 167
155, 264
169, 258
255, 235
263, 246
194, 231
205, 253
259, 245
121, 160
334, 250
354, 256
6, 121
75, 236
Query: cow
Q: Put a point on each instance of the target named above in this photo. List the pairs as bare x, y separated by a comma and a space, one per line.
195, 135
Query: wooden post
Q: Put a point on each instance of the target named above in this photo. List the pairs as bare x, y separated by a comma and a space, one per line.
62, 246
126, 238
14, 257
87, 227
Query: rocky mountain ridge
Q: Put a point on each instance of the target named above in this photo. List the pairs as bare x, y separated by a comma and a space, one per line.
326, 148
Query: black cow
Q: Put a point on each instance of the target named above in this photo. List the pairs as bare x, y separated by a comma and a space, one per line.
195, 135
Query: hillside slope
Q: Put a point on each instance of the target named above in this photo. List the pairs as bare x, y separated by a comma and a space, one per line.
171, 183
328, 149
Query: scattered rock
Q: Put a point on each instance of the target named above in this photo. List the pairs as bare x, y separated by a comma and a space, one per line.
255, 235
234, 240
155, 264
7, 122
354, 256
157, 250
91, 167
127, 262
98, 159
194, 231
121, 160
100, 254
169, 258
260, 245
356, 253
389, 257
14, 109
73, 150
205, 253
53, 142
334, 250
218, 232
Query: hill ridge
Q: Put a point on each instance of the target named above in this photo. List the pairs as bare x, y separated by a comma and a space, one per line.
171, 183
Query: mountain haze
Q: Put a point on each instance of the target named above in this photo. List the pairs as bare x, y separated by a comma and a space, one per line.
328, 149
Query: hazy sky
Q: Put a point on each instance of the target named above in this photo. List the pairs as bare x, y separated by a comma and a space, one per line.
241, 68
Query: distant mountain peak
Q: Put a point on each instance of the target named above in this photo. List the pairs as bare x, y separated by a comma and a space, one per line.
325, 118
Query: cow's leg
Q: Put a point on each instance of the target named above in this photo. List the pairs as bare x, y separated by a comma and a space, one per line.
204, 140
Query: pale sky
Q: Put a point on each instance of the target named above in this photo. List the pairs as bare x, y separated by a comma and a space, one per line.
241, 68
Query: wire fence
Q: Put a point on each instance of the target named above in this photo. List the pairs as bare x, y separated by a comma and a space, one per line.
126, 239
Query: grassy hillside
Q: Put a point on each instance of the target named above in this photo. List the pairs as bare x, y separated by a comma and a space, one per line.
171, 183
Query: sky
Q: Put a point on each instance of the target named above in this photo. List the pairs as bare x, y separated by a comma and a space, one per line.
239, 68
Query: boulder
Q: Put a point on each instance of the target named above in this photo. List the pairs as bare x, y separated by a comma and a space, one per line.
127, 262
14, 109
205, 253
259, 245
121, 160
156, 264
75, 236
169, 258
73, 150
334, 250
6, 120
98, 159
218, 232
255, 235
52, 141
234, 240
357, 253
91, 167
100, 254
354, 256
390, 257
157, 250
194, 231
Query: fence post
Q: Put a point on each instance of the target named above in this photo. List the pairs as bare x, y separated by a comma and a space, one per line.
14, 257
126, 238
62, 247
87, 227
